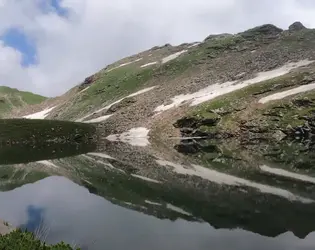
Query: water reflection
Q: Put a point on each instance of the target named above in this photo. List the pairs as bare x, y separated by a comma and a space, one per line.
213, 195
23, 141
75, 215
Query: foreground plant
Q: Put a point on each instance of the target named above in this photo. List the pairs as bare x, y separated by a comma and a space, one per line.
20, 240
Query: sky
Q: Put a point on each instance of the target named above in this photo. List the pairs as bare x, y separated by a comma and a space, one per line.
49, 46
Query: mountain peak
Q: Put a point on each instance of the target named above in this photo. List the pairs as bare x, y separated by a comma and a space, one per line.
296, 26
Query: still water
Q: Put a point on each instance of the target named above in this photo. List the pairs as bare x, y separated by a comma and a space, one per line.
73, 214
118, 196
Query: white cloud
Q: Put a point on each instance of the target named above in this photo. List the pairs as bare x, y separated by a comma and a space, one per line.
97, 33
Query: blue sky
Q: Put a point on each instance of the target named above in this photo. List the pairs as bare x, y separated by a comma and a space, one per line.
64, 41
18, 39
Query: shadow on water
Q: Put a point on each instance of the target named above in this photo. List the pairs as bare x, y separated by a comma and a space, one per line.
23, 140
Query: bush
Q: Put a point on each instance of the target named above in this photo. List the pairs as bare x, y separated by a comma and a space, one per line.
19, 240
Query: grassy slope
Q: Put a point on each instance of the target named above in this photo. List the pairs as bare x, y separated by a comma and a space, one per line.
241, 105
13, 98
118, 83
111, 86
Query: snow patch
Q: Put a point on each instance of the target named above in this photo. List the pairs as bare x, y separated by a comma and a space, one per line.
110, 166
98, 119
124, 64
103, 118
102, 155
283, 94
177, 209
282, 172
106, 164
219, 89
153, 203
134, 205
84, 89
135, 137
173, 56
141, 91
40, 115
226, 179
148, 64
48, 163
145, 178
193, 45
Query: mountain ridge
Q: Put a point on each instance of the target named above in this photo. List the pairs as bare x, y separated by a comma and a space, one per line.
127, 93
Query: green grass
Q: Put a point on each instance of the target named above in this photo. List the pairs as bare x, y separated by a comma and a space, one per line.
232, 104
120, 82
109, 86
13, 98
19, 240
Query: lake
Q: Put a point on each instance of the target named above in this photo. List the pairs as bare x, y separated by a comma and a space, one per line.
203, 195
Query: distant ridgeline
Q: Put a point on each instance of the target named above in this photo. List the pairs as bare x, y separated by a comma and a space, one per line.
12, 99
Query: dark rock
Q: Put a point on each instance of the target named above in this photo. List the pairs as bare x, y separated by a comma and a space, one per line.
187, 148
305, 102
199, 133
186, 131
210, 121
296, 26
186, 122
88, 81
263, 30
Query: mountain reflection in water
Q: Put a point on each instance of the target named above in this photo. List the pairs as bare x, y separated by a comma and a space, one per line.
129, 198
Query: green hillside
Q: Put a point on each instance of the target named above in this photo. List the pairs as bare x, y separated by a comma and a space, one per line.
13, 98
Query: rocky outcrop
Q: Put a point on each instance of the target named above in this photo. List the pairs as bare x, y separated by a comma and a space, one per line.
218, 36
88, 81
198, 126
296, 26
263, 31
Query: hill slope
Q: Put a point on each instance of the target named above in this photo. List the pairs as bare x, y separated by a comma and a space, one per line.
157, 87
257, 87
14, 99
